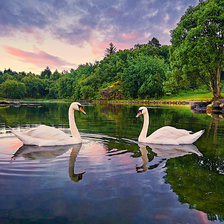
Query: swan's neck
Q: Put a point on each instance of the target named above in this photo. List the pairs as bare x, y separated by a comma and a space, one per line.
144, 131
72, 125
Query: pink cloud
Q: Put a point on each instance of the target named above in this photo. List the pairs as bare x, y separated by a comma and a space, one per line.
38, 58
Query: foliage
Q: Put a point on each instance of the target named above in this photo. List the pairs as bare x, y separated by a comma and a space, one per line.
64, 86
46, 73
143, 77
112, 49
154, 42
12, 89
35, 86
197, 45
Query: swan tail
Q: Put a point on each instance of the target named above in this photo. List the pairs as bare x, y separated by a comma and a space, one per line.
197, 135
190, 139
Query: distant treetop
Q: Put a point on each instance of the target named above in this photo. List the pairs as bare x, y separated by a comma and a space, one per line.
112, 49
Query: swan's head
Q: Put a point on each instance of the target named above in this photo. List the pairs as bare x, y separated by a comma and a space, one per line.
77, 106
141, 110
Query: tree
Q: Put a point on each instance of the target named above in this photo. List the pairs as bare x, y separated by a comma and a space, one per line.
197, 44
154, 42
54, 76
144, 77
46, 73
112, 49
12, 89
35, 86
64, 87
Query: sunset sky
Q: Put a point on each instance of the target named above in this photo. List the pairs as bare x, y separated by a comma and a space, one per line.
63, 34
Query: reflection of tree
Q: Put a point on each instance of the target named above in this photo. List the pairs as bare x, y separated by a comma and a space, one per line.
198, 182
212, 130
46, 114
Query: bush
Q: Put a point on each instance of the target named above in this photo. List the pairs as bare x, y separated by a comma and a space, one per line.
12, 89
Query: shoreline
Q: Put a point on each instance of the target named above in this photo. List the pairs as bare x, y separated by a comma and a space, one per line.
154, 102
196, 106
148, 102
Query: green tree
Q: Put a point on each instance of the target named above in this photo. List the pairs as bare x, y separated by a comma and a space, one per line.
54, 76
197, 44
64, 87
35, 86
12, 89
87, 92
5, 77
112, 49
154, 42
144, 77
46, 73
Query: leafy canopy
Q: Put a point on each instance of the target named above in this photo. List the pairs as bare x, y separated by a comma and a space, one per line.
197, 44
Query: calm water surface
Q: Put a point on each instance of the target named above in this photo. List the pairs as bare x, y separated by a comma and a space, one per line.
110, 178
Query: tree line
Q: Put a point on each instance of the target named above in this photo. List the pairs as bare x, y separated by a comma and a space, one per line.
140, 72
194, 59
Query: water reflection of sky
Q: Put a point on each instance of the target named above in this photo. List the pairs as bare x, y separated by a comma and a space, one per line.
110, 191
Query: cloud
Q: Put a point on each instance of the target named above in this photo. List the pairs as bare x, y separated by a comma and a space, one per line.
38, 58
16, 15
79, 22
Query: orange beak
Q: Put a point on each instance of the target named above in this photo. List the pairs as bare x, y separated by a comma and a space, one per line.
139, 113
82, 110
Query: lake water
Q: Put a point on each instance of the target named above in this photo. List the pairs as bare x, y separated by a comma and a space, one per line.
110, 178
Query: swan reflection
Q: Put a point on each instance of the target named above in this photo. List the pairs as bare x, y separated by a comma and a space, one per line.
173, 151
73, 155
32, 152
145, 159
164, 152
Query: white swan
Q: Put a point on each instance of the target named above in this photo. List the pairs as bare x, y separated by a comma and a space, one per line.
165, 135
49, 136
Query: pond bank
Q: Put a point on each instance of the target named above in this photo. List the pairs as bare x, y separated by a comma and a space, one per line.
143, 102
157, 102
196, 106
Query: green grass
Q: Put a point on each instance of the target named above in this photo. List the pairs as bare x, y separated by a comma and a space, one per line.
189, 96
201, 94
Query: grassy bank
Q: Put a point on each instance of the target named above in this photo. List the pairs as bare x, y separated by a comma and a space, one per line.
189, 96
183, 96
